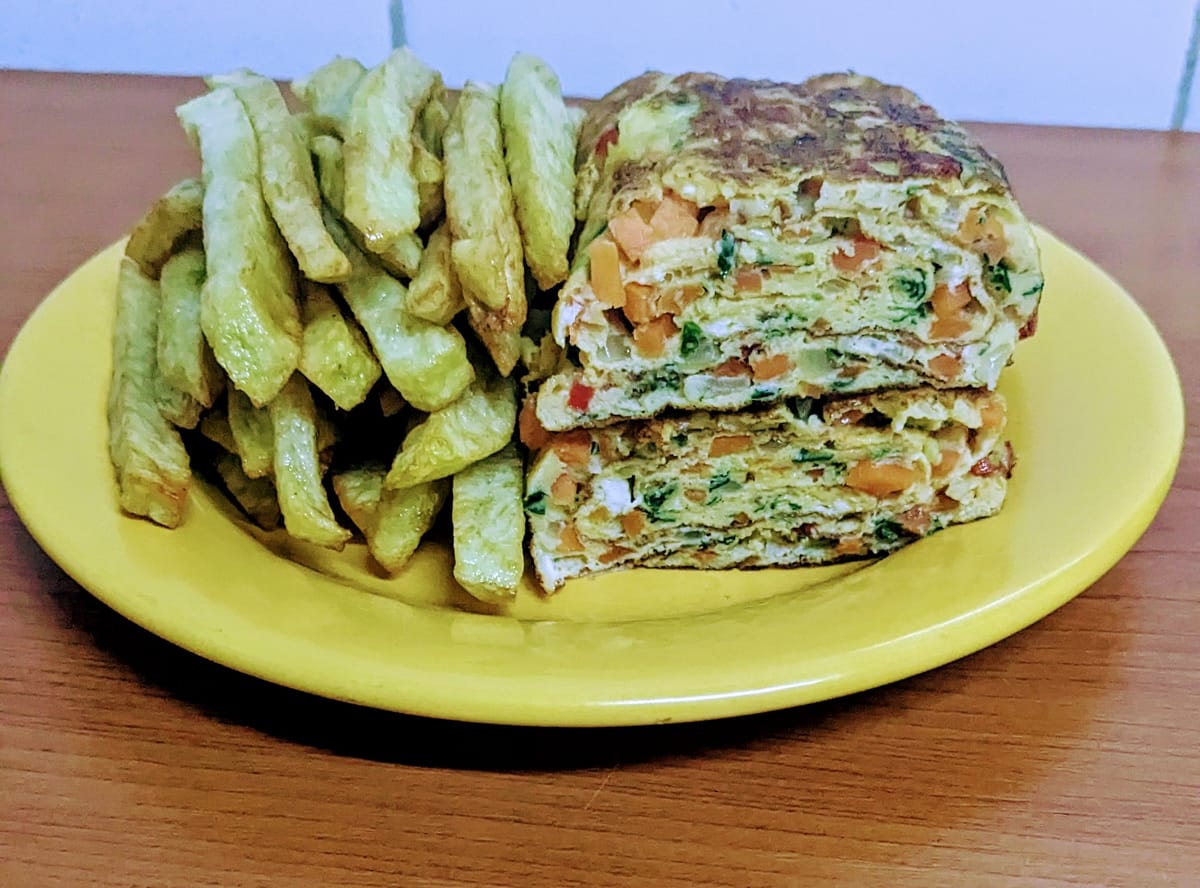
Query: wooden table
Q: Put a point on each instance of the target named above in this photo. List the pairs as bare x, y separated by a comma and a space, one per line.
1068, 754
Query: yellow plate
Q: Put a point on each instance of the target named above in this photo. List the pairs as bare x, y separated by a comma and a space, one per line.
1096, 420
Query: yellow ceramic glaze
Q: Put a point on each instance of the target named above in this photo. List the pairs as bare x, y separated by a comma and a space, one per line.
1096, 419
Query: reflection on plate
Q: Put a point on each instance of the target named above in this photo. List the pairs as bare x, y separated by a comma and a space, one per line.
1096, 418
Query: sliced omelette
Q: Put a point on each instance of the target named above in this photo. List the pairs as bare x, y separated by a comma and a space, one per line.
743, 242
804, 481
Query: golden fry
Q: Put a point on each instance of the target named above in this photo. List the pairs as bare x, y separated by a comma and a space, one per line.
392, 521
172, 217
253, 435
489, 525
255, 496
334, 354
434, 293
184, 357
328, 90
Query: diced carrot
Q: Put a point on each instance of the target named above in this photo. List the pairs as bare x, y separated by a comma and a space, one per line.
675, 301
606, 272
633, 522
951, 318
991, 415
651, 338
945, 465
631, 233
645, 209
949, 328
850, 545
573, 448
569, 541
562, 491
599, 514
675, 217
881, 478
639, 303
984, 232
529, 428
695, 494
915, 520
726, 444
704, 556
945, 366
731, 367
748, 280
862, 251
613, 553
714, 223
770, 366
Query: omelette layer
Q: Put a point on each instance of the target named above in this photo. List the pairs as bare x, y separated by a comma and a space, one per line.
744, 242
805, 481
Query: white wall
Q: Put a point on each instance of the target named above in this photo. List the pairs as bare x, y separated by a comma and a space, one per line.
1038, 61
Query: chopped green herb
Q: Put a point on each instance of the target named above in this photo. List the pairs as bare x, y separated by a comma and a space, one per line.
763, 393
690, 337
1035, 289
910, 289
835, 357
726, 253
887, 531
719, 480
535, 503
595, 448
882, 452
997, 275
664, 377
654, 502
803, 455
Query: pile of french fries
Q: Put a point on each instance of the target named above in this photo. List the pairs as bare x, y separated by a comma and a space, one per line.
331, 320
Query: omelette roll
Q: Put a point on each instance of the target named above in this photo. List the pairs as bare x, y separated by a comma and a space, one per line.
805, 481
744, 242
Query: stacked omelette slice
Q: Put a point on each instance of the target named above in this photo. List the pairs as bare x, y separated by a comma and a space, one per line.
788, 309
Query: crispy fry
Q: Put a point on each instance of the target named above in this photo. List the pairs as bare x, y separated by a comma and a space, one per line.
255, 496
403, 257
177, 407
392, 521
486, 247
476, 425
328, 90
152, 469
248, 306
214, 425
427, 363
431, 124
184, 357
253, 436
434, 293
334, 354
381, 191
489, 525
172, 217
539, 147
288, 184
307, 514
427, 170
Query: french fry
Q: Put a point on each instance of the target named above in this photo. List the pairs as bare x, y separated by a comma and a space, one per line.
253, 435
172, 217
151, 464
328, 90
392, 521
248, 307
427, 363
427, 170
381, 192
489, 525
475, 426
486, 246
184, 357
177, 407
539, 148
434, 293
255, 496
334, 353
214, 425
435, 114
403, 257
307, 514
288, 184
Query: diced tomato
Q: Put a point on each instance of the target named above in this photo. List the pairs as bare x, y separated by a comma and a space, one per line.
633, 522
573, 448
850, 545
731, 367
748, 280
674, 217
915, 520
726, 444
562, 491
984, 467
862, 251
881, 478
945, 366
651, 338
1029, 327
529, 428
632, 234
606, 272
606, 141
770, 366
945, 503
580, 396
569, 541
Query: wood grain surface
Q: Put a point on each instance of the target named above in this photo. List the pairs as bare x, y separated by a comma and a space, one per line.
1067, 755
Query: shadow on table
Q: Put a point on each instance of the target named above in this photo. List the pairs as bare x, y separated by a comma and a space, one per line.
354, 731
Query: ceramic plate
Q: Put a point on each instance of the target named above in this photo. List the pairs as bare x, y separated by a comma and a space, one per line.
1096, 420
